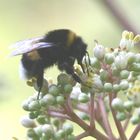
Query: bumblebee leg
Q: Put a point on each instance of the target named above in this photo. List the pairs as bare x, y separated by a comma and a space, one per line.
70, 70
39, 83
38, 71
80, 63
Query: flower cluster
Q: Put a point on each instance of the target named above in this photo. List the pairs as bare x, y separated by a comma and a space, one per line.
111, 83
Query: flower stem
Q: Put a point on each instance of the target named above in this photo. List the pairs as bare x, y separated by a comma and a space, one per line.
135, 132
92, 131
82, 135
105, 118
118, 124
58, 114
92, 114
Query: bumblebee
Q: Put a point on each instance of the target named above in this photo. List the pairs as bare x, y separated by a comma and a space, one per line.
58, 47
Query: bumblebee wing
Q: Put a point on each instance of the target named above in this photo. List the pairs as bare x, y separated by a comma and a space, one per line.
29, 45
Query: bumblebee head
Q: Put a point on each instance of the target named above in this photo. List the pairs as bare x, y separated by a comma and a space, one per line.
79, 48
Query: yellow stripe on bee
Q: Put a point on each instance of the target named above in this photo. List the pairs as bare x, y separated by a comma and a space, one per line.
71, 37
34, 55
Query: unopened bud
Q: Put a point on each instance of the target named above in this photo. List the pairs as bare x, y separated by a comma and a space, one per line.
99, 51
27, 122
120, 62
117, 104
136, 39
109, 58
121, 116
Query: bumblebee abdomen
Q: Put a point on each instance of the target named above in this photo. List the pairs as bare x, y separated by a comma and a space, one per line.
34, 55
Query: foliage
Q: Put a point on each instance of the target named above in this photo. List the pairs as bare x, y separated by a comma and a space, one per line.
111, 84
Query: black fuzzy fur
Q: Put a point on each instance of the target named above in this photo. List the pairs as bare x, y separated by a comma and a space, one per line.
59, 54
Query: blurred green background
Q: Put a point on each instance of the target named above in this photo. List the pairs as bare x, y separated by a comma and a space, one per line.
21, 19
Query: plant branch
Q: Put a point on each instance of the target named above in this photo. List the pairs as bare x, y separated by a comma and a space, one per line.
82, 135
118, 124
120, 15
105, 118
83, 108
92, 114
126, 123
58, 114
135, 132
92, 132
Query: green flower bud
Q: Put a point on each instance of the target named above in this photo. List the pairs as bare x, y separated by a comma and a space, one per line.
124, 85
48, 99
68, 128
38, 130
85, 89
41, 119
27, 122
115, 71
45, 137
135, 74
124, 74
108, 87
95, 63
117, 104
83, 115
48, 130
33, 115
131, 57
128, 105
135, 67
68, 88
83, 98
120, 62
136, 99
34, 105
56, 122
63, 79
54, 90
97, 84
31, 134
116, 87
104, 75
121, 116
59, 134
135, 119
25, 105
99, 51
60, 100
109, 58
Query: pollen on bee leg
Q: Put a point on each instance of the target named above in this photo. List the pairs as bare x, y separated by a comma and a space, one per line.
23, 74
31, 81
